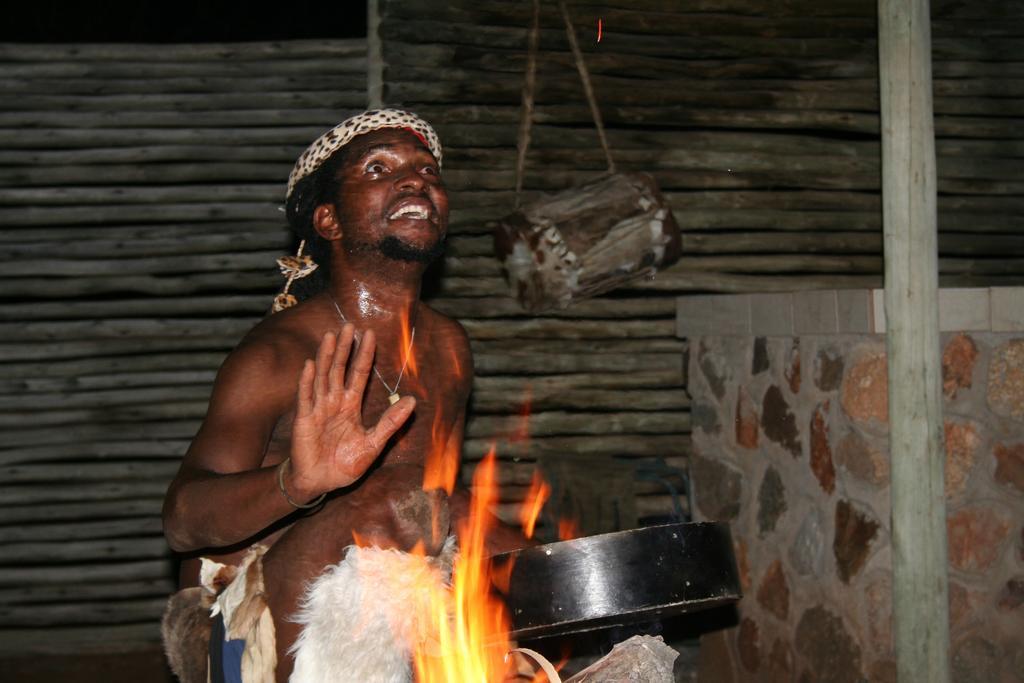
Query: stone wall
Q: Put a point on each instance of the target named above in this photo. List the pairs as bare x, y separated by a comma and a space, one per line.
791, 447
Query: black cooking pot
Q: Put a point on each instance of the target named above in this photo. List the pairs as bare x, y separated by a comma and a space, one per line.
639, 574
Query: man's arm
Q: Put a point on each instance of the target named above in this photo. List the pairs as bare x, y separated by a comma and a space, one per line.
221, 496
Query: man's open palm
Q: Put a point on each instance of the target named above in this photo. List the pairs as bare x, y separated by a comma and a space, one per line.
331, 447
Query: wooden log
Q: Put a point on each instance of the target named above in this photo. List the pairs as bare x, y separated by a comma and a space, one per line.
675, 21
81, 196
69, 385
528, 346
129, 327
306, 117
528, 364
62, 531
59, 138
83, 572
520, 473
199, 210
585, 399
735, 282
252, 306
154, 153
71, 493
101, 612
154, 361
506, 307
83, 85
262, 281
777, 263
920, 562
183, 102
457, 84
177, 410
106, 550
553, 328
717, 47
661, 505
137, 54
81, 512
560, 423
136, 242
89, 472
102, 430
609, 445
153, 265
113, 70
138, 174
111, 639
530, 386
97, 450
844, 242
28, 595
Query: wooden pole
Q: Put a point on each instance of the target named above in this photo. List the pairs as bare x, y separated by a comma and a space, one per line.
920, 591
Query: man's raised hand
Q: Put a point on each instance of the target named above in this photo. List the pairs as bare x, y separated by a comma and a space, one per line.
331, 448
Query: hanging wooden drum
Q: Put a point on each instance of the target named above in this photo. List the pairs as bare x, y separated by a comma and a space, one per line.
586, 240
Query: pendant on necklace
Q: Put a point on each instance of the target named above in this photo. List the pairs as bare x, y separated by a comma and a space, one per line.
393, 398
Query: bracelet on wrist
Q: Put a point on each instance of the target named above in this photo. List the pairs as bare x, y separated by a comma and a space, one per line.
280, 484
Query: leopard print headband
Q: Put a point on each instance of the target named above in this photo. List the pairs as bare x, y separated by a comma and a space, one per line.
339, 136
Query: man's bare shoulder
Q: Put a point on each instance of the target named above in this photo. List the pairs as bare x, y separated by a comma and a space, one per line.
272, 353
450, 341
444, 327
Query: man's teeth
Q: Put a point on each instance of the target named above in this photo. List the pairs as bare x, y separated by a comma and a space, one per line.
409, 212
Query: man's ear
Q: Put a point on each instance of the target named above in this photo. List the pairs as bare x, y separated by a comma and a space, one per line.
325, 222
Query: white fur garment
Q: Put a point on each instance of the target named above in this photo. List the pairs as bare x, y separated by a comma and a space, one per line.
361, 617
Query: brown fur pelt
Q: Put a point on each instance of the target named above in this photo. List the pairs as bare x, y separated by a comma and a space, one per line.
186, 634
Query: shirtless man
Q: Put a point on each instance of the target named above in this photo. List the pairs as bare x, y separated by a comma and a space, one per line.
300, 409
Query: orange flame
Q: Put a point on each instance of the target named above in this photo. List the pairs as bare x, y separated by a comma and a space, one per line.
471, 623
541, 677
535, 498
568, 529
408, 352
442, 464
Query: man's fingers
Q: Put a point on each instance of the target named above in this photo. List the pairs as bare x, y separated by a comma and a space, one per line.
305, 393
336, 373
362, 364
390, 422
324, 355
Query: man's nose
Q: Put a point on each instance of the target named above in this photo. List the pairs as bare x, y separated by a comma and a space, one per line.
409, 179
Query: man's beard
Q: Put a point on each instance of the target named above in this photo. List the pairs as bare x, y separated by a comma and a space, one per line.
397, 249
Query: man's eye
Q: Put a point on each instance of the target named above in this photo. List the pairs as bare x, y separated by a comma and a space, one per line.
430, 170
376, 167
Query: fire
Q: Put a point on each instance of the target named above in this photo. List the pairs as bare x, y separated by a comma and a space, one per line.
470, 622
568, 529
408, 355
442, 464
535, 498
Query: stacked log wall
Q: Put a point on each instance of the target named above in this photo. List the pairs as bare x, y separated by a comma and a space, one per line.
759, 121
140, 188
139, 195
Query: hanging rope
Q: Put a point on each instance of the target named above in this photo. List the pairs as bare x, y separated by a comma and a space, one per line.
529, 90
587, 88
529, 86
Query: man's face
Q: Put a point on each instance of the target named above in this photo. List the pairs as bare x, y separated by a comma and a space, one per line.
392, 200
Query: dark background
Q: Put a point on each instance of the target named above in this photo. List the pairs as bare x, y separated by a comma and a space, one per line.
187, 21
